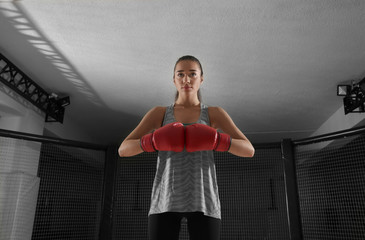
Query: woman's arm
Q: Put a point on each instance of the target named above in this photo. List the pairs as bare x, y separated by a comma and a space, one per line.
240, 145
151, 121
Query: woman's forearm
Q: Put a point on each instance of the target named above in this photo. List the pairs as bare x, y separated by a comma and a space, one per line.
130, 147
242, 148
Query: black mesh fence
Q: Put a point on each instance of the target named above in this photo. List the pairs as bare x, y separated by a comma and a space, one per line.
66, 195
70, 193
132, 196
252, 194
330, 176
18, 187
331, 183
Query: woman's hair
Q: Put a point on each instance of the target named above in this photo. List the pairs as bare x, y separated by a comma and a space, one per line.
193, 59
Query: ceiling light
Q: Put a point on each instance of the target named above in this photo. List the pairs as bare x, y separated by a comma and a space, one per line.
343, 90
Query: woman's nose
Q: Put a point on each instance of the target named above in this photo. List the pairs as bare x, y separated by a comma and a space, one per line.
186, 79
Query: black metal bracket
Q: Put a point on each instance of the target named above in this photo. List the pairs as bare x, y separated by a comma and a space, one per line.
19, 82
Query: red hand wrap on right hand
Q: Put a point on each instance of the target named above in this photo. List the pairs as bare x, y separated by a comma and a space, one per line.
167, 138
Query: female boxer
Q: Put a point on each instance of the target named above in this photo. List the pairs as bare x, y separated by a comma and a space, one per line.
185, 136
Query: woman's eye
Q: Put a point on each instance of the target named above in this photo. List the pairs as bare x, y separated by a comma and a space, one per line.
193, 75
180, 75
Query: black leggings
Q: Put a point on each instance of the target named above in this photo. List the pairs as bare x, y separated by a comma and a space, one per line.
167, 226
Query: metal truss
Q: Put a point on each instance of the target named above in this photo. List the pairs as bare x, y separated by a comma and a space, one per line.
19, 82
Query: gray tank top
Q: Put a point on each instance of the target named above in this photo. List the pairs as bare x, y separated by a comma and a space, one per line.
184, 181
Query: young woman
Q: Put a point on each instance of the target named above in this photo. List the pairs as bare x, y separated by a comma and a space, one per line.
185, 136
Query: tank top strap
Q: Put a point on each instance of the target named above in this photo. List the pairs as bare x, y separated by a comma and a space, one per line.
169, 115
204, 115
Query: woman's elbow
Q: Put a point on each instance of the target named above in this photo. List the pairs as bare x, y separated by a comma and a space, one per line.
122, 151
242, 148
251, 152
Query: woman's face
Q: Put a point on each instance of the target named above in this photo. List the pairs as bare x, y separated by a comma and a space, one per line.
187, 77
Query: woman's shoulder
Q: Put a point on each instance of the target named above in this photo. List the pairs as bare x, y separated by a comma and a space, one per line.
158, 110
215, 110
215, 114
156, 115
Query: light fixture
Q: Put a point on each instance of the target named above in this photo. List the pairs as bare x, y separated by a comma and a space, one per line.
65, 101
56, 108
362, 85
342, 90
354, 96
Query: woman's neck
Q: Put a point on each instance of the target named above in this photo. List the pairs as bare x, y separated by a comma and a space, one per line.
187, 102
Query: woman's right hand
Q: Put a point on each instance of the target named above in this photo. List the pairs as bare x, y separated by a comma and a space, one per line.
167, 138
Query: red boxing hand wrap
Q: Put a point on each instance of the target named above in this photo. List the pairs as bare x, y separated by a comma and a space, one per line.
224, 142
201, 137
167, 138
147, 144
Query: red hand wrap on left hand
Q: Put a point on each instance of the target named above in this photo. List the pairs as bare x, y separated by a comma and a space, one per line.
200, 137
